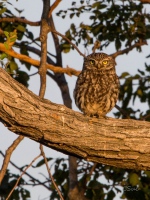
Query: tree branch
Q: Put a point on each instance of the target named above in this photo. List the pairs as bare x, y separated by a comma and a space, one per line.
127, 50
49, 172
42, 71
21, 20
8, 155
42, 68
65, 38
116, 142
27, 174
36, 51
55, 69
2, 32
145, 1
61, 81
55, 4
21, 176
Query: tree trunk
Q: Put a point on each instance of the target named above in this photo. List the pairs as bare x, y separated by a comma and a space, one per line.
116, 142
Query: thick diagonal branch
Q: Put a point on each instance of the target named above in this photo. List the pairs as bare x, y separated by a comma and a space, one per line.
116, 142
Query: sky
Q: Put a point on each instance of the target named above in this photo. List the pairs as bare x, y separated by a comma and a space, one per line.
27, 149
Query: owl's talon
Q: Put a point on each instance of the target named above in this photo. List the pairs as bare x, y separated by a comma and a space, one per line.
93, 119
104, 117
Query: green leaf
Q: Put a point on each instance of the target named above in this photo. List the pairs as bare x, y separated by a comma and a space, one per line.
6, 34
147, 173
6, 45
65, 48
124, 74
14, 33
78, 14
111, 195
3, 55
30, 35
141, 72
140, 92
97, 4
13, 66
118, 44
71, 15
13, 39
68, 34
22, 77
73, 3
2, 10
42, 162
102, 6
136, 76
21, 28
133, 179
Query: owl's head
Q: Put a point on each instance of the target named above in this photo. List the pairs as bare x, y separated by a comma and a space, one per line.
99, 61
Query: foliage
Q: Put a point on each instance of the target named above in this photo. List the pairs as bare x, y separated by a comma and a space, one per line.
122, 23
14, 32
8, 183
132, 88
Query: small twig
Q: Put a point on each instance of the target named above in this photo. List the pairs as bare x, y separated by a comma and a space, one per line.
49, 172
65, 38
56, 43
145, 117
55, 69
55, 4
26, 173
42, 68
22, 20
32, 49
138, 44
38, 52
33, 74
8, 155
91, 171
1, 32
97, 45
123, 112
145, 1
22, 175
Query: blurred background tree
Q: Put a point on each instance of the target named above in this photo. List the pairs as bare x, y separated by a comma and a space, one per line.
123, 24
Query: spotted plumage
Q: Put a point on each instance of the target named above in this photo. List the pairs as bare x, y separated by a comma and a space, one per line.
97, 87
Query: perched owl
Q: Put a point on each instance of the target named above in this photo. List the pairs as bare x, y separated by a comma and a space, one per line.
97, 87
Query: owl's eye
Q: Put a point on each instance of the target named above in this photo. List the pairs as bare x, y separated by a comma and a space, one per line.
92, 62
105, 62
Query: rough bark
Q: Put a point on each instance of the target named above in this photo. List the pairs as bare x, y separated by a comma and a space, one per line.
116, 142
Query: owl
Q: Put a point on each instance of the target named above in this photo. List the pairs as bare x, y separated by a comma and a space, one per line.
97, 87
